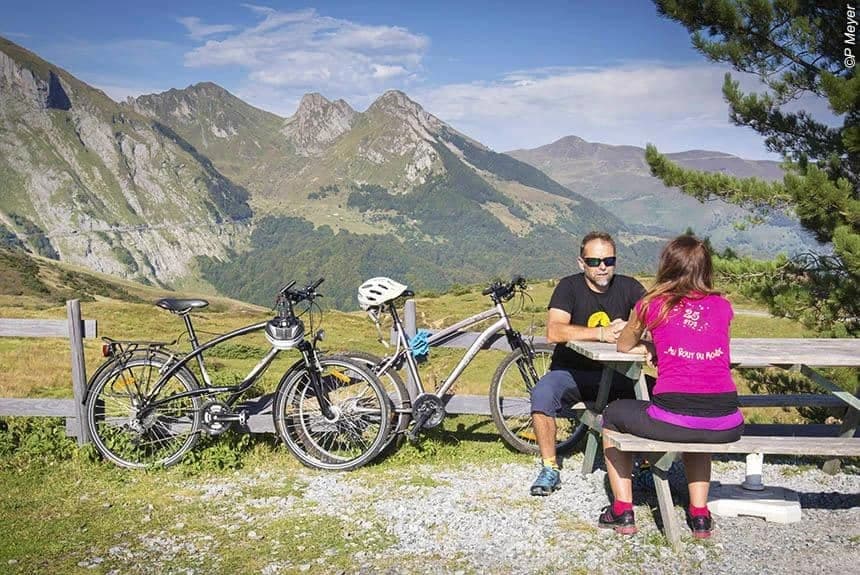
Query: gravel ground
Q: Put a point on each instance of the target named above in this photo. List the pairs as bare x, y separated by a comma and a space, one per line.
482, 520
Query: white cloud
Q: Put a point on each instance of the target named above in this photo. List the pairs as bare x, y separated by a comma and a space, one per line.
675, 107
303, 50
196, 29
382, 71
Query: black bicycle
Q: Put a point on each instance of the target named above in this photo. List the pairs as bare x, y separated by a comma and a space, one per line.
146, 407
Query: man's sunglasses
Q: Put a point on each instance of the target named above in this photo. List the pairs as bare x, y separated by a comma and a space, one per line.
595, 262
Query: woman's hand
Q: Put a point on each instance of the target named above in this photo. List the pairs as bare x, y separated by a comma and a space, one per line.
647, 349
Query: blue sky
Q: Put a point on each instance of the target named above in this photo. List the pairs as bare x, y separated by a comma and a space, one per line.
509, 74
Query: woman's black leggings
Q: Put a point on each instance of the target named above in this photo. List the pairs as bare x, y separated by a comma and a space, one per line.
631, 416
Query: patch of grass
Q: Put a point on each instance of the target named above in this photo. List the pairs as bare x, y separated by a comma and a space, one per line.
419, 480
458, 441
654, 538
76, 516
567, 524
796, 470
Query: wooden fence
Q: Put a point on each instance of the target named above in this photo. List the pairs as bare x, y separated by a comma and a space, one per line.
75, 330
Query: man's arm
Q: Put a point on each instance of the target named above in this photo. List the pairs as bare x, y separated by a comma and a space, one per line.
560, 330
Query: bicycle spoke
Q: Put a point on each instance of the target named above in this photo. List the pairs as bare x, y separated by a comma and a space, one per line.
355, 429
132, 436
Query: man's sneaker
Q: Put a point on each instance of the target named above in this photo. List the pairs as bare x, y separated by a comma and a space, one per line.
548, 480
702, 525
625, 524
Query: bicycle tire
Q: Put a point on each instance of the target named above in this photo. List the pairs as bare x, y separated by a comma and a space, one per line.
163, 436
514, 419
356, 434
398, 394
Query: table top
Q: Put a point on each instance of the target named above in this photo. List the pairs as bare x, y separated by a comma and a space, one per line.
754, 352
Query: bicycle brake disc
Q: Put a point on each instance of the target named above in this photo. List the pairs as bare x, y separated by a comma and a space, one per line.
429, 406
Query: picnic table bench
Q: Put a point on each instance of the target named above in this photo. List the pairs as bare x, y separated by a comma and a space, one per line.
795, 354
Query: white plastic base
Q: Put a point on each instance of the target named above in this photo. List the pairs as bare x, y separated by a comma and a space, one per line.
775, 504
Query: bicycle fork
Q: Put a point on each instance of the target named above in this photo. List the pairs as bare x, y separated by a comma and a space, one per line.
315, 372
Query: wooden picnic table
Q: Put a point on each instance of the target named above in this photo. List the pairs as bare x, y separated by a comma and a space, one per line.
802, 355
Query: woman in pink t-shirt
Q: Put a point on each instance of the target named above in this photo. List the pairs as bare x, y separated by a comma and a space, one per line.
694, 399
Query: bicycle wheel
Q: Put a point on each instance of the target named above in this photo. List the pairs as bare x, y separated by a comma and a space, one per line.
398, 395
129, 436
510, 404
361, 418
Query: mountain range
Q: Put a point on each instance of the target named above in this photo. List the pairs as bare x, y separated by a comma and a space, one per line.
618, 179
196, 188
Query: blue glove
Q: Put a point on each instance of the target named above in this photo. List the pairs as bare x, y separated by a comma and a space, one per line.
418, 343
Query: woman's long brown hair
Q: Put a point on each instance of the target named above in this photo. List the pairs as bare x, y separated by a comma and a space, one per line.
685, 270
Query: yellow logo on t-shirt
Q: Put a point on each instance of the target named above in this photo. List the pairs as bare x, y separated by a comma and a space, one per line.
598, 318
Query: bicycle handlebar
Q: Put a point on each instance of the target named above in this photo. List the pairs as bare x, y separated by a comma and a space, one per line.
505, 291
309, 293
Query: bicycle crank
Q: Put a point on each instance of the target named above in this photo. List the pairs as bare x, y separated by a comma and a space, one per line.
428, 411
217, 417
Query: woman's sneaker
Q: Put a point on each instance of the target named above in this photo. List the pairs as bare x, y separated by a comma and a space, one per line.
625, 524
702, 526
548, 480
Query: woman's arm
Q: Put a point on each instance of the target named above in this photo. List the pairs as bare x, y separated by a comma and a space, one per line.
631, 334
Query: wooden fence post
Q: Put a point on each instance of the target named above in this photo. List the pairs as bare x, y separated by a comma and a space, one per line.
410, 325
79, 370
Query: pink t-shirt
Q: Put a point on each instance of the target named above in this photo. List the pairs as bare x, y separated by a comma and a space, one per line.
694, 382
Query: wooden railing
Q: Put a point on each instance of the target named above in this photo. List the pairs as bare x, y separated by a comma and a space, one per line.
260, 420
75, 330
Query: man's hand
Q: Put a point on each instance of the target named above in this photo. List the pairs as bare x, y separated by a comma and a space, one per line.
616, 326
613, 330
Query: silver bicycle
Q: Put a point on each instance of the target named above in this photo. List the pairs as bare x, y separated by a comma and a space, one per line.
510, 388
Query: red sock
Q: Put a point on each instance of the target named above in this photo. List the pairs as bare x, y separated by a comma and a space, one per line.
619, 507
698, 511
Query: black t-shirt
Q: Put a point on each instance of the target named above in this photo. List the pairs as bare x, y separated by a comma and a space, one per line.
591, 309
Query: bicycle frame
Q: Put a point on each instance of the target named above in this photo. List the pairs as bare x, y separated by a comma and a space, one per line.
403, 349
176, 363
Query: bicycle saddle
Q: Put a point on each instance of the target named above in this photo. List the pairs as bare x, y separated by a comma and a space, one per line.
181, 305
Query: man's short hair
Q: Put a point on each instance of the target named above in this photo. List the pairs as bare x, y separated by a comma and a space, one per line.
591, 236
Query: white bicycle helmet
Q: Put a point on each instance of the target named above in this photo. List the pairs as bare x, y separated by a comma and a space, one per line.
376, 291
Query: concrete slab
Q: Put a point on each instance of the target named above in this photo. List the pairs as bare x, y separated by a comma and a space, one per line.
775, 504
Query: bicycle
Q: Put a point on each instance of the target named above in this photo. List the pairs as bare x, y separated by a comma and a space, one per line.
145, 407
510, 387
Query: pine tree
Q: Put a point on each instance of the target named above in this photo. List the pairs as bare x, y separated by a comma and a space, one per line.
795, 47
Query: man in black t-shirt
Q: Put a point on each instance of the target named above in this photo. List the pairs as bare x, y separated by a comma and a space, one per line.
592, 306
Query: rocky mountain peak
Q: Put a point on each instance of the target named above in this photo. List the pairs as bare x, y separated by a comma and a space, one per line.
207, 88
31, 80
396, 104
569, 146
317, 122
394, 99
312, 102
